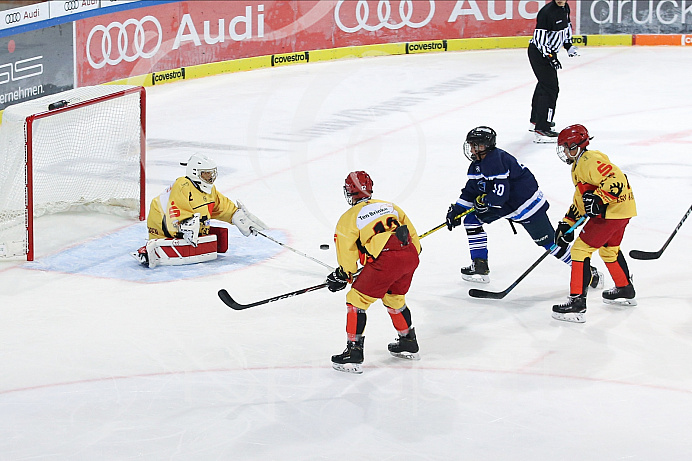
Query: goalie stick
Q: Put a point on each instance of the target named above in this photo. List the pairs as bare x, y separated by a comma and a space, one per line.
294, 250
475, 293
638, 254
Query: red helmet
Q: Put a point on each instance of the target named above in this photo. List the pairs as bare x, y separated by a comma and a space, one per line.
357, 187
572, 137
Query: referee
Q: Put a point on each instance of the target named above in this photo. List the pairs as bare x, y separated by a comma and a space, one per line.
553, 30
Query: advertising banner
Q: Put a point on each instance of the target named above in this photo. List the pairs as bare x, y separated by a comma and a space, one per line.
178, 35
67, 7
24, 15
36, 63
635, 17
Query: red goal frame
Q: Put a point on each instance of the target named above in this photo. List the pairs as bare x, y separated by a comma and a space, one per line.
29, 156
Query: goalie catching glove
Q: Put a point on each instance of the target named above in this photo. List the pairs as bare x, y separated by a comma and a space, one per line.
246, 222
337, 280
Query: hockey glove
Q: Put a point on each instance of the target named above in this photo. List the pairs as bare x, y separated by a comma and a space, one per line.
593, 204
337, 280
554, 61
572, 51
246, 222
453, 220
480, 205
562, 238
190, 229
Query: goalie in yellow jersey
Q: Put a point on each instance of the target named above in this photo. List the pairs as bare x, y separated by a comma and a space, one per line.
180, 230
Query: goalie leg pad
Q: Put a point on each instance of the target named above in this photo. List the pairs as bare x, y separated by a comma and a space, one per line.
221, 238
177, 252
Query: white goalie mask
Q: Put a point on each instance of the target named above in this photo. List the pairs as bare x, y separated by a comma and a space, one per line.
202, 171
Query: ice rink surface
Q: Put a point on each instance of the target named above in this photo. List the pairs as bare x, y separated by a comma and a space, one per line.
102, 359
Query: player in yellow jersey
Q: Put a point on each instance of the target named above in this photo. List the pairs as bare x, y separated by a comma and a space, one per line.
380, 236
603, 192
179, 219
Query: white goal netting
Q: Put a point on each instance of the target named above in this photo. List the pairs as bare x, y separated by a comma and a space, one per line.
86, 155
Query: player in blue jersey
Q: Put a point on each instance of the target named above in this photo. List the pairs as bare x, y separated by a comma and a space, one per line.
498, 186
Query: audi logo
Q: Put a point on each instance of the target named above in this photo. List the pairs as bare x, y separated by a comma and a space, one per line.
384, 14
73, 5
112, 56
11, 18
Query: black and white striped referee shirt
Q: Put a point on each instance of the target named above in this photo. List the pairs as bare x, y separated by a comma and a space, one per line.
553, 29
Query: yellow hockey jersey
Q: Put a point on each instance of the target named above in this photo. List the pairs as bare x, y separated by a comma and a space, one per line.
593, 171
181, 201
365, 229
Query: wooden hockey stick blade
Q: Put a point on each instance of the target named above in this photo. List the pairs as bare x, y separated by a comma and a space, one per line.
233, 304
637, 254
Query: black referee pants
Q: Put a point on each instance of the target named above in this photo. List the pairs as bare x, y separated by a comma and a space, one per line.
547, 88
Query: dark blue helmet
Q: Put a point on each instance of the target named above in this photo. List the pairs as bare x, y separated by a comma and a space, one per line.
481, 135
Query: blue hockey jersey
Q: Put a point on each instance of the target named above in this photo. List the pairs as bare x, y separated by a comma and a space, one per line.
512, 190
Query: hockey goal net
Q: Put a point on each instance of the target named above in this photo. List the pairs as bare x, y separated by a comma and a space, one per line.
80, 149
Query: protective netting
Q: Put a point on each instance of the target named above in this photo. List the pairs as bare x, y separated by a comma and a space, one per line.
85, 158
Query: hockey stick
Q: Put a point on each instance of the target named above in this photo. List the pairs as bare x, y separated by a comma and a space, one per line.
233, 304
294, 250
637, 254
437, 228
474, 293
230, 302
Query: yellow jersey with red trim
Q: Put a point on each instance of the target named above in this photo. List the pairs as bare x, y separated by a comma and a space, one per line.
364, 230
593, 171
181, 201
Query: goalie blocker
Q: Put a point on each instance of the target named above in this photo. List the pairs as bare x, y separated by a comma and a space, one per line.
178, 252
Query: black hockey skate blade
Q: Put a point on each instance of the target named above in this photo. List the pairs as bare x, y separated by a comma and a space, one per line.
230, 302
474, 293
636, 254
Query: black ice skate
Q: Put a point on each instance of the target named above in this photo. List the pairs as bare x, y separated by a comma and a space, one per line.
351, 359
545, 136
477, 272
532, 126
623, 296
596, 279
405, 347
571, 311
